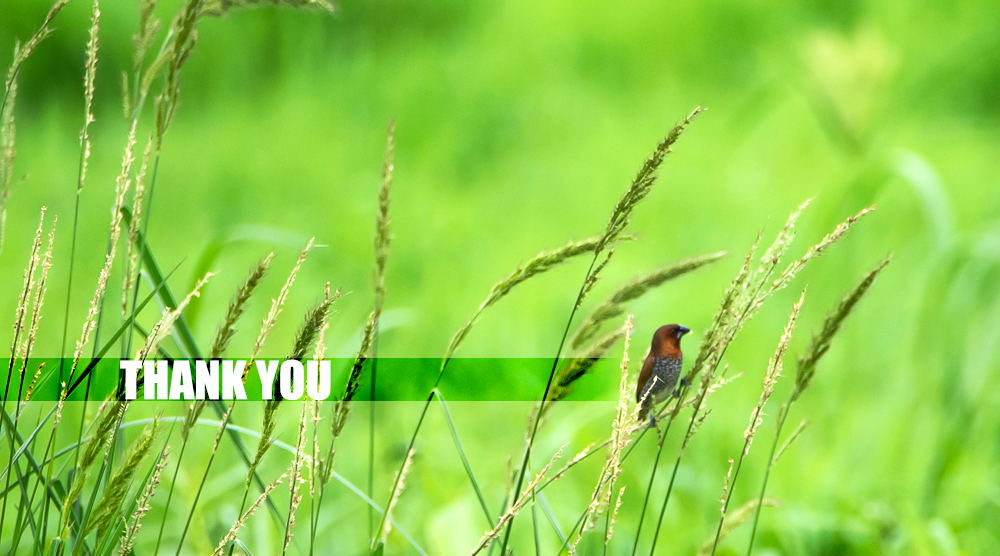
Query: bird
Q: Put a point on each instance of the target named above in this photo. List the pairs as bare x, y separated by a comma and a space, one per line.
661, 369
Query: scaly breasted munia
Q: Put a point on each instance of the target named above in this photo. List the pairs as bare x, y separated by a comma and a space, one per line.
661, 369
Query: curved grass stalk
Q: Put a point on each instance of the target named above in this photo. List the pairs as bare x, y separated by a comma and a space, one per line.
803, 378
770, 378
538, 265
620, 217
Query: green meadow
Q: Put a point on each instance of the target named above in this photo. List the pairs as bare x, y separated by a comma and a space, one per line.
515, 128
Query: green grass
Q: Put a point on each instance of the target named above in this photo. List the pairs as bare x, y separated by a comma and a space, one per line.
517, 127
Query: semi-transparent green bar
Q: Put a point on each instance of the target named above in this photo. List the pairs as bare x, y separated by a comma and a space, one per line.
397, 379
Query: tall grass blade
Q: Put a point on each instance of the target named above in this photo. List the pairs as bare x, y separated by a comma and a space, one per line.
464, 457
550, 515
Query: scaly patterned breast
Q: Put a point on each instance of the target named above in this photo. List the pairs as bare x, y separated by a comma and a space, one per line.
666, 371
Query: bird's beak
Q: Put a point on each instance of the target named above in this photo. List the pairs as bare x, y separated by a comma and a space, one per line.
683, 330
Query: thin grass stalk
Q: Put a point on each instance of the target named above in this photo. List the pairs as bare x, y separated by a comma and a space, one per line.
142, 248
320, 468
806, 369
534, 524
609, 521
746, 295
104, 431
617, 223
170, 315
649, 487
782, 415
537, 265
519, 503
204, 477
7, 127
127, 325
50, 445
270, 406
770, 378
22, 52
79, 529
383, 240
276, 307
132, 255
170, 494
734, 520
394, 497
23, 304
97, 302
707, 388
313, 478
234, 530
156, 334
176, 48
614, 306
222, 338
545, 395
106, 512
295, 480
371, 457
266, 440
90, 73
144, 505
37, 303
20, 315
713, 336
592, 449
149, 26
623, 425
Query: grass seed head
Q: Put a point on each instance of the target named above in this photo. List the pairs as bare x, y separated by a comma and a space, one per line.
316, 320
641, 185
235, 529
774, 367
733, 520
519, 503
632, 290
113, 497
237, 306
831, 325
276, 305
537, 265
143, 506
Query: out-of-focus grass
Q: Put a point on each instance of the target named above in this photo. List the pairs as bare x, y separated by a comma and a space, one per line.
517, 126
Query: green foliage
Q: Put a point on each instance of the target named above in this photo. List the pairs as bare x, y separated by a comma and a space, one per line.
517, 125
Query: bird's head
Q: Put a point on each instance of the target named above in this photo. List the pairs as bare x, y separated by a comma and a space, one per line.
667, 340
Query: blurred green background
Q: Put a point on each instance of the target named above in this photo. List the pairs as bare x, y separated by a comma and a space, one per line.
518, 125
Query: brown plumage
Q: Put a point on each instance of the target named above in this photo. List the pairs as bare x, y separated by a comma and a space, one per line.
662, 364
